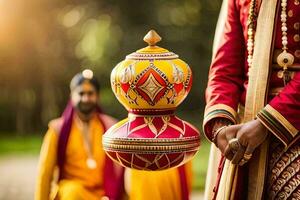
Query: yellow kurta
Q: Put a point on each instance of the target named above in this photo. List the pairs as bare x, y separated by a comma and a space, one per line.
158, 185
78, 181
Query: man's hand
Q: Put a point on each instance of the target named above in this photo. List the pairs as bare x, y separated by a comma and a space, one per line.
250, 135
223, 138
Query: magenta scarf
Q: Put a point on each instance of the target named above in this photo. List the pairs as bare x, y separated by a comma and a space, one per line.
113, 183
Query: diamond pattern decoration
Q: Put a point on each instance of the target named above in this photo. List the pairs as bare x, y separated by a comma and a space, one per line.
142, 161
151, 85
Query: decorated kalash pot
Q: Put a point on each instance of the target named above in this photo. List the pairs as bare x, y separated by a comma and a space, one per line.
151, 83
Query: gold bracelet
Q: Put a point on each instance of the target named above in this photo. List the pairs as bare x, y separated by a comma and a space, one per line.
216, 133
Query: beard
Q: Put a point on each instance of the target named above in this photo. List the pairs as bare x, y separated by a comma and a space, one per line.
86, 108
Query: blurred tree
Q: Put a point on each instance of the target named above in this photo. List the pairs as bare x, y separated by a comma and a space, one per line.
43, 43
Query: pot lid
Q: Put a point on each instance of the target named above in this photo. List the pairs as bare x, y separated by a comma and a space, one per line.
152, 51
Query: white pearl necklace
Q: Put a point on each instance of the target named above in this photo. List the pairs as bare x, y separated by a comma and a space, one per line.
284, 59
283, 17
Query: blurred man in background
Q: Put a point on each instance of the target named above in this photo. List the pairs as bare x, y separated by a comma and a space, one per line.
73, 145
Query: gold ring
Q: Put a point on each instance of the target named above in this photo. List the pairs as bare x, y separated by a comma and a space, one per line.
247, 156
234, 144
243, 161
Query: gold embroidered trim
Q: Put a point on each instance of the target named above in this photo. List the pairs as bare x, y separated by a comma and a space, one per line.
230, 115
282, 120
151, 141
284, 170
153, 56
221, 107
150, 149
271, 130
151, 144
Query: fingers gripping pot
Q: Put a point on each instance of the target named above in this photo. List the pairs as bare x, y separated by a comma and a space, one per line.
151, 83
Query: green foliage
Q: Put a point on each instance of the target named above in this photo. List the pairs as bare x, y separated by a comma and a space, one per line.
44, 43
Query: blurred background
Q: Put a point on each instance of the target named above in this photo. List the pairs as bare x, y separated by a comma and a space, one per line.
44, 43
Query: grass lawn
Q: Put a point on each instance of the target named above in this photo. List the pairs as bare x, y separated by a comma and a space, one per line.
30, 145
20, 145
200, 164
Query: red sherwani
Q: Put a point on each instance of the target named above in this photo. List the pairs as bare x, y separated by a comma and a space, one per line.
228, 80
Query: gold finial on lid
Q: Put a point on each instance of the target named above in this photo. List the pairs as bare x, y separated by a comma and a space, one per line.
152, 38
